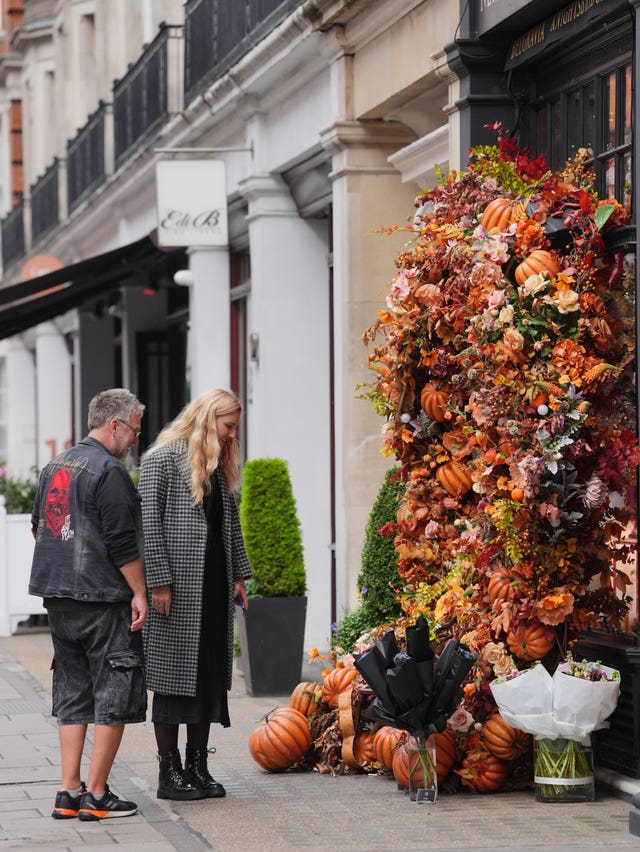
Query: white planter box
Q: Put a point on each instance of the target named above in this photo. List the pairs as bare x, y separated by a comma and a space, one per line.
16, 552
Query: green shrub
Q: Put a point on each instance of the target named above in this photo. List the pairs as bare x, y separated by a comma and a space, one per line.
18, 494
271, 530
379, 575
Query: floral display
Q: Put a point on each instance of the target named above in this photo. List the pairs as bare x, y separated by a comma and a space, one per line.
504, 368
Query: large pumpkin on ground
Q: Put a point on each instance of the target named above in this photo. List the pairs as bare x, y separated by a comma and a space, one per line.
385, 742
530, 641
446, 752
538, 261
486, 775
444, 758
363, 750
281, 739
335, 682
503, 740
303, 698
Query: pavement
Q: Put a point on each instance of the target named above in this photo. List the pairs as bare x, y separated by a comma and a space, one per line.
261, 811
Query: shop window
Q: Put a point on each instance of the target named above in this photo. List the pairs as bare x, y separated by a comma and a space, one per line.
582, 106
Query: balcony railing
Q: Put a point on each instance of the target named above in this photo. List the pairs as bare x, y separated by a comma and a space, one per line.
12, 228
219, 32
45, 204
86, 159
141, 98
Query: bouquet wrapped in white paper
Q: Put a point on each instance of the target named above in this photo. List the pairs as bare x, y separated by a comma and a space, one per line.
571, 704
561, 712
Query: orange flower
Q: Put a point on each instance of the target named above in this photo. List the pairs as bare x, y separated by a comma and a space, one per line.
554, 608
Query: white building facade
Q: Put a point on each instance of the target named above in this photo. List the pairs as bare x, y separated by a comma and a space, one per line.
328, 117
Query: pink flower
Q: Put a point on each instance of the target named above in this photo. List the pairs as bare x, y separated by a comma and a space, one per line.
496, 299
461, 721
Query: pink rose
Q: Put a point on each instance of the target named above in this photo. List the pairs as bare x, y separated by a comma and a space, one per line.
461, 721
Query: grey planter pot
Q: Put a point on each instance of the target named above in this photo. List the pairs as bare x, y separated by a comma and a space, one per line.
271, 644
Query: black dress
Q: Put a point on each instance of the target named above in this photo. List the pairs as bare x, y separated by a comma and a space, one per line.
210, 702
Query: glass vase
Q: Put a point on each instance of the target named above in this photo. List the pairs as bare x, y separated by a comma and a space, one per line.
563, 771
422, 770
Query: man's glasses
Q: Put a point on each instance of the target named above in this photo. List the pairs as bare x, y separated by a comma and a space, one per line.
136, 432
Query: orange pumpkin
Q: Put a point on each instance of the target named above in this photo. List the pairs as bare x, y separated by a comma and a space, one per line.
487, 775
530, 641
538, 261
455, 478
501, 586
363, 750
335, 682
385, 742
501, 212
281, 739
433, 402
303, 698
503, 740
445, 757
446, 752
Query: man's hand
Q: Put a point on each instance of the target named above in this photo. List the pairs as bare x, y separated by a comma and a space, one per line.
139, 612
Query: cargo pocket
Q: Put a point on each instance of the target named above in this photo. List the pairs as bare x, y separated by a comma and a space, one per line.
127, 689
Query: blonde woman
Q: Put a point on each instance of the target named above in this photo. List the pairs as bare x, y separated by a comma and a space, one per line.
195, 566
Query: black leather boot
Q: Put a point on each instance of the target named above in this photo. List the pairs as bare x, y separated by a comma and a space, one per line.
172, 779
196, 770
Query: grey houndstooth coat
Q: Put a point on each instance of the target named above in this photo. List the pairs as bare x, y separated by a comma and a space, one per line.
175, 538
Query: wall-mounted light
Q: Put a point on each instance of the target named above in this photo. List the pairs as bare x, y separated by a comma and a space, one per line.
183, 277
254, 347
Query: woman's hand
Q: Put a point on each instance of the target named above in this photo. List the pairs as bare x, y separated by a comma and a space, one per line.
161, 599
240, 595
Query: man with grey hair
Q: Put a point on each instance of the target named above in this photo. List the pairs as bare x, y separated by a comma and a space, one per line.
87, 567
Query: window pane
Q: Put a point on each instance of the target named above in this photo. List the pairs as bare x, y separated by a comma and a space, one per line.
609, 102
556, 157
575, 138
627, 106
626, 190
609, 167
542, 132
589, 117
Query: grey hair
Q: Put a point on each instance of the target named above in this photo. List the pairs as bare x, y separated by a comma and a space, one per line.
115, 403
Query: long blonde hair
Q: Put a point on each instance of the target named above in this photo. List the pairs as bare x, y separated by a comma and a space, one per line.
197, 425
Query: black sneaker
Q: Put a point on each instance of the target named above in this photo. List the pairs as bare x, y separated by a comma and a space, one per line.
67, 806
107, 806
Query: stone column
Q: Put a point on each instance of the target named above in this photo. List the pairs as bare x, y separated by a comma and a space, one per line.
21, 408
367, 194
289, 405
54, 399
209, 319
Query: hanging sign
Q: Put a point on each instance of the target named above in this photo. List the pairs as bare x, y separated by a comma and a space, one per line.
192, 203
39, 264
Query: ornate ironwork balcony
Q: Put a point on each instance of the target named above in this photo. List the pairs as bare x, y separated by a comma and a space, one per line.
12, 228
141, 97
45, 204
86, 158
219, 32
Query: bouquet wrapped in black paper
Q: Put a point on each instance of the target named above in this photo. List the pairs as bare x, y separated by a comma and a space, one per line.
414, 690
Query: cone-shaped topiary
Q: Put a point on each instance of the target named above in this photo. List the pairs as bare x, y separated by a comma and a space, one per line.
379, 575
271, 529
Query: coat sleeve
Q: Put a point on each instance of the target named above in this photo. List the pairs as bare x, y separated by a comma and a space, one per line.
153, 487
